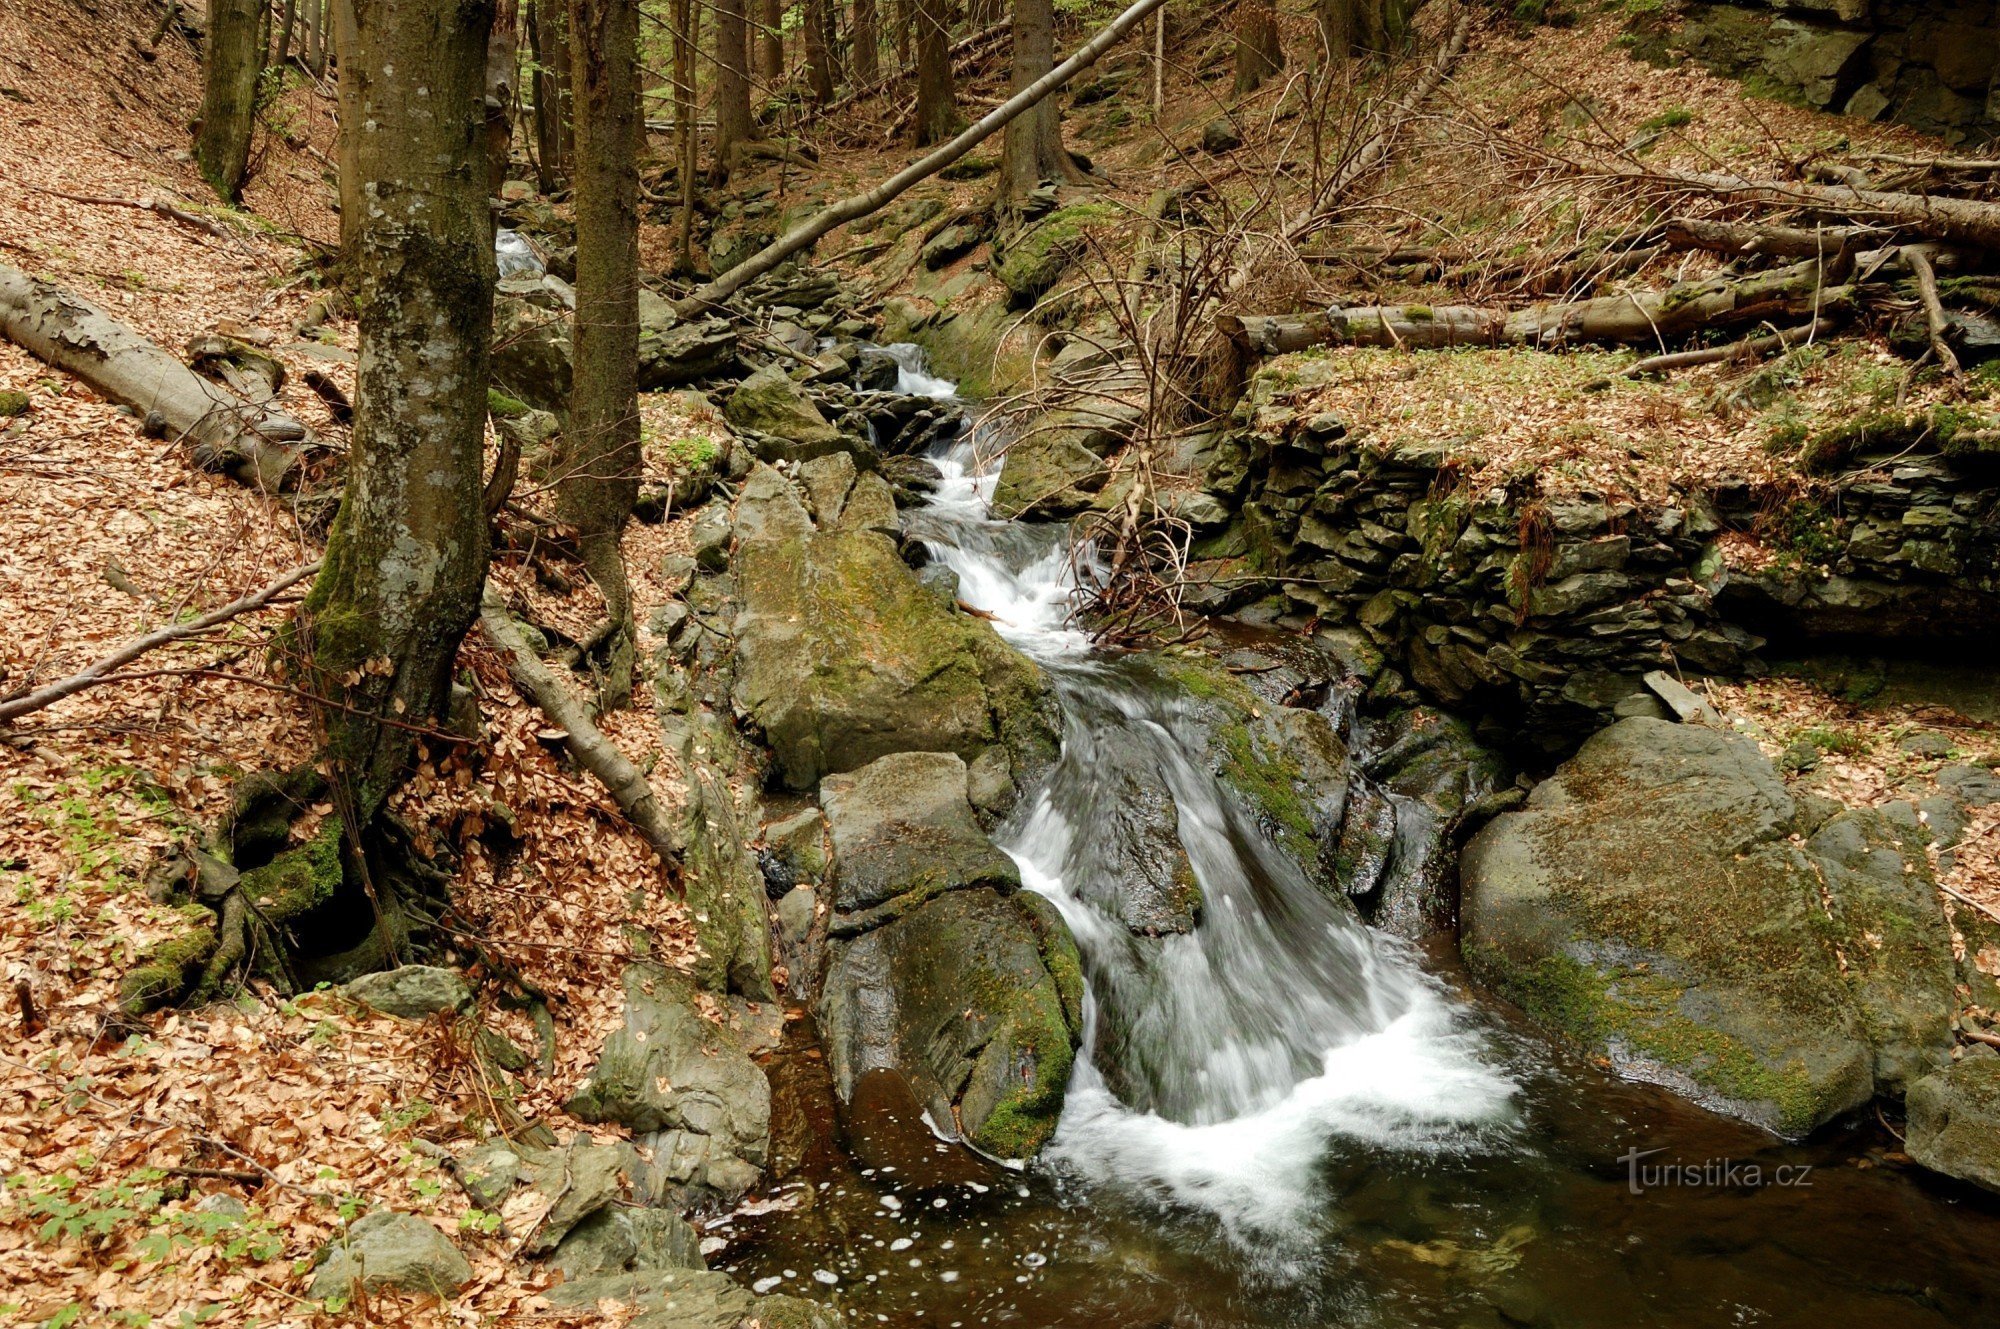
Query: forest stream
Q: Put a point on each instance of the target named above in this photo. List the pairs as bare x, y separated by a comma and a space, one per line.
1284, 1117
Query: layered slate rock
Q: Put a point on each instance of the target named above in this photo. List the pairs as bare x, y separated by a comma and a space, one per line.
941, 968
1649, 902
700, 1106
843, 656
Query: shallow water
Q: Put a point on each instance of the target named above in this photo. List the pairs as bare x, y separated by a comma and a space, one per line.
1284, 1118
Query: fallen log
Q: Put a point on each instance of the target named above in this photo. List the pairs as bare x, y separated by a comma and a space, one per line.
1935, 323
1960, 221
253, 443
1648, 317
1738, 352
13, 707
1748, 240
626, 783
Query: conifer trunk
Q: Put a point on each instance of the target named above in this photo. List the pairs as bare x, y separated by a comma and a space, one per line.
732, 80
771, 43
1259, 53
867, 43
937, 104
407, 554
1033, 149
819, 54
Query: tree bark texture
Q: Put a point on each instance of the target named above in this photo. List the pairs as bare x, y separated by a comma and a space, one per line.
230, 65
555, 138
771, 43
1259, 52
407, 554
937, 103
341, 14
1034, 150
819, 51
503, 72
732, 80
597, 475
685, 136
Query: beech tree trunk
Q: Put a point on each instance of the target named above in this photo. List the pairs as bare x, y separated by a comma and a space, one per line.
819, 53
407, 555
555, 139
732, 81
282, 50
347, 67
313, 40
597, 467
867, 33
1259, 53
503, 65
1034, 150
233, 59
937, 103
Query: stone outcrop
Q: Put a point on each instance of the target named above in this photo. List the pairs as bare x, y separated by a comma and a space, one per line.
1543, 611
842, 655
1934, 66
1954, 1120
940, 967
1658, 901
387, 1249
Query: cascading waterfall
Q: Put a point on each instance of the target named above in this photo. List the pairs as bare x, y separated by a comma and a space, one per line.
1218, 1064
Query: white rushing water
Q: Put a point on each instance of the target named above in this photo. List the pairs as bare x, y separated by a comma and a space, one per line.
1221, 1066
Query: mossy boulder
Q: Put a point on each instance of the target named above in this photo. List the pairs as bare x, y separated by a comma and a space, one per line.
843, 656
1034, 259
387, 1249
1650, 903
1954, 1120
724, 890
770, 404
1058, 467
903, 826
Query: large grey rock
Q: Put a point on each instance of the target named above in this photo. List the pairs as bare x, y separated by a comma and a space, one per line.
975, 998
777, 408
842, 656
902, 826
673, 351
387, 1249
1649, 903
580, 1180
723, 887
1954, 1121
668, 1069
412, 991
1893, 937
620, 1239
692, 1299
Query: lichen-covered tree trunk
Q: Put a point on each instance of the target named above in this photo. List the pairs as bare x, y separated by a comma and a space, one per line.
407, 554
555, 141
1259, 53
1034, 150
732, 80
937, 103
597, 475
234, 58
867, 32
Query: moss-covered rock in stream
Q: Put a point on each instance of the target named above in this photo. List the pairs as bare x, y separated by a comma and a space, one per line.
843, 656
1954, 1120
724, 891
941, 968
1649, 902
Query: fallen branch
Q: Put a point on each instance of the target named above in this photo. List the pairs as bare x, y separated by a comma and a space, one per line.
1736, 352
1744, 239
252, 442
860, 205
159, 207
626, 783
1634, 318
132, 650
1934, 320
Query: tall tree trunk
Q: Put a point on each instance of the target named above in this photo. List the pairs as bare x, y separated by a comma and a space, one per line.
313, 41
732, 81
555, 141
819, 56
867, 43
282, 52
503, 71
407, 554
1336, 19
1382, 25
597, 474
937, 104
348, 68
1033, 149
1259, 54
905, 22
685, 137
234, 58
771, 43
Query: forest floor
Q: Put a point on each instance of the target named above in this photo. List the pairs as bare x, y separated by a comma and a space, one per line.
108, 533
